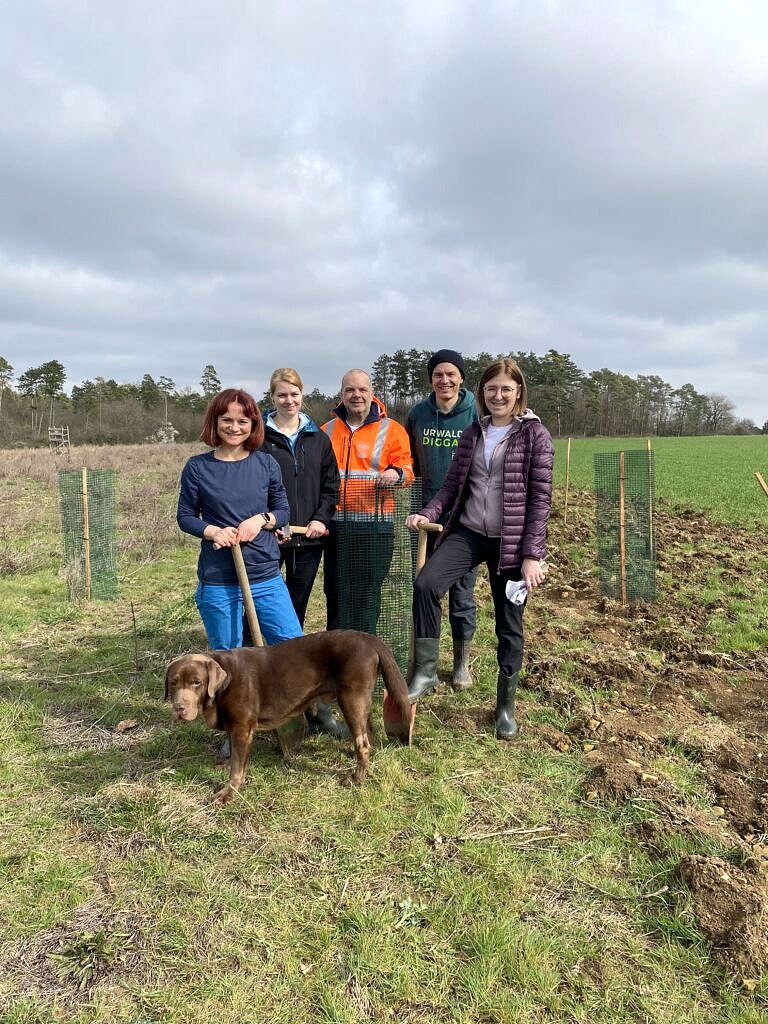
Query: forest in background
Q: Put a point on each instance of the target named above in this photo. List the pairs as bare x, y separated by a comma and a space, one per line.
602, 403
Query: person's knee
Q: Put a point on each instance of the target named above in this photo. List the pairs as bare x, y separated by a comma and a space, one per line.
421, 588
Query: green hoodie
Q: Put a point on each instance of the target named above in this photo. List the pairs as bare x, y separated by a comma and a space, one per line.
434, 435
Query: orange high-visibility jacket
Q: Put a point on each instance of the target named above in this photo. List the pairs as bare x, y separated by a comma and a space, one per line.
379, 444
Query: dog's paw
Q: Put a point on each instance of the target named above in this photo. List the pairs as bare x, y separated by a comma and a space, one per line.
223, 796
353, 779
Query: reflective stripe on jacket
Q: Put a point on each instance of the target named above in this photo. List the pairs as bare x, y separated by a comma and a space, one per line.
378, 444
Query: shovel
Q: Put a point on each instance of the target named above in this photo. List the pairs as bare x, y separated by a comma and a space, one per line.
394, 726
291, 734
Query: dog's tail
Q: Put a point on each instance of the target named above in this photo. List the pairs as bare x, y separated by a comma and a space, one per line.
393, 679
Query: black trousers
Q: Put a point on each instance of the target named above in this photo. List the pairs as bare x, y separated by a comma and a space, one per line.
301, 565
461, 551
462, 610
357, 560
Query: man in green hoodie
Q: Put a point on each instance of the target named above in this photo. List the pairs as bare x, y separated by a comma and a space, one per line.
434, 426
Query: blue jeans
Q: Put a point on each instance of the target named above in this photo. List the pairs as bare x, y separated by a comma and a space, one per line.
221, 609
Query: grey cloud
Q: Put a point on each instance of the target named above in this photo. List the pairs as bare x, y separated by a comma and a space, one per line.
185, 184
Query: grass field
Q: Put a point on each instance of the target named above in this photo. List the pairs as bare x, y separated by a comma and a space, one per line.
716, 474
610, 866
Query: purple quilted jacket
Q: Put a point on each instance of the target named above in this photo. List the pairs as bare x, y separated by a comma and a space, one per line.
526, 489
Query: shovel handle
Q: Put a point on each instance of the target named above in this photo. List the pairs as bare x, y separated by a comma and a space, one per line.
421, 550
301, 530
245, 587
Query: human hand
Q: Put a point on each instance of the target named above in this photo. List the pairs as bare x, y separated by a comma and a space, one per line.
250, 529
533, 572
389, 478
224, 537
416, 520
316, 529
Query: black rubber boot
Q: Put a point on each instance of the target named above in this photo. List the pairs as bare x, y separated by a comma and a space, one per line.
322, 719
506, 687
424, 678
461, 679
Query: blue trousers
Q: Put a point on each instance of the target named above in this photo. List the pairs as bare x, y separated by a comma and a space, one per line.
221, 609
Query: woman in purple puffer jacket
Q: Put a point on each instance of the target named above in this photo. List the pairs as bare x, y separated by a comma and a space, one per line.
498, 493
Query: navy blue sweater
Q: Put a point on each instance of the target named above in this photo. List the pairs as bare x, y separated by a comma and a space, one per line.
218, 493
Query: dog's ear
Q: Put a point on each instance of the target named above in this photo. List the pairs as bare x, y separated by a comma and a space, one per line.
218, 680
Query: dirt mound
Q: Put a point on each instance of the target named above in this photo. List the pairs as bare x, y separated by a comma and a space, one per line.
731, 908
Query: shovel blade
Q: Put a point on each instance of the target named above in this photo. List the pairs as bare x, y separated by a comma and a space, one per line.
396, 729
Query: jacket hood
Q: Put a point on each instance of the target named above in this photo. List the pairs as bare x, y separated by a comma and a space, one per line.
306, 424
465, 403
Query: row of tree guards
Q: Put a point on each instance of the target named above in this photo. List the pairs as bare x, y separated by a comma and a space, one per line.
625, 535
626, 546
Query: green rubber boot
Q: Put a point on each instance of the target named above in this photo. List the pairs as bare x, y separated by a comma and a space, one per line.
506, 687
322, 719
424, 678
461, 679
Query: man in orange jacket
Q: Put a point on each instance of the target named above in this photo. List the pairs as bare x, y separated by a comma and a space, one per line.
374, 456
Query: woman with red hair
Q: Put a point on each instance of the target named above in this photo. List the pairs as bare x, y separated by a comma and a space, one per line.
234, 494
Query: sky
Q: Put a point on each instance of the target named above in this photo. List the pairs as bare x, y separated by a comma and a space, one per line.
312, 184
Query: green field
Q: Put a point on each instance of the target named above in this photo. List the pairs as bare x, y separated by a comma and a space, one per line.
467, 881
716, 474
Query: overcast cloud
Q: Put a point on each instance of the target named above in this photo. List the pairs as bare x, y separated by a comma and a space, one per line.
253, 184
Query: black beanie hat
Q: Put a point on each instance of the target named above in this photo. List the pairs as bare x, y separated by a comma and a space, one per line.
446, 355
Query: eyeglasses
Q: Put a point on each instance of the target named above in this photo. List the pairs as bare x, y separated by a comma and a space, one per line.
505, 392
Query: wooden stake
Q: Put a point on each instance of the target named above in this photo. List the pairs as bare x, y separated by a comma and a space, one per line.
86, 537
762, 482
622, 532
567, 480
651, 539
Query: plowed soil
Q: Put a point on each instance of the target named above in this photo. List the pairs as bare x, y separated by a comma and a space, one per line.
646, 691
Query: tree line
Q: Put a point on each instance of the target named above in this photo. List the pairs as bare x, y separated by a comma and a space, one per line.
569, 401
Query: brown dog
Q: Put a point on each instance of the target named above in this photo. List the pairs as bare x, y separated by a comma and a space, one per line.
253, 689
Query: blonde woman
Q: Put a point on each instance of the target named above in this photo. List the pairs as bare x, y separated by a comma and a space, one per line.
311, 478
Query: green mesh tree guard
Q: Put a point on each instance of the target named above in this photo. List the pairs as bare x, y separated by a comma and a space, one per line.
375, 561
626, 537
90, 554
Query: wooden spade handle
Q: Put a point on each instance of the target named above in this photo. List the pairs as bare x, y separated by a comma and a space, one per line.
245, 587
421, 550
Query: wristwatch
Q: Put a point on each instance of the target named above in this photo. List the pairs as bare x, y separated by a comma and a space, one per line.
265, 517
